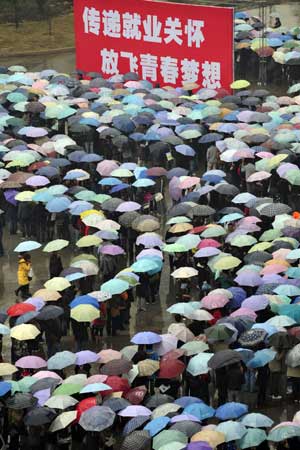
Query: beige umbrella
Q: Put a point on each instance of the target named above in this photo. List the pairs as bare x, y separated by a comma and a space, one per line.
47, 295
181, 332
7, 369
61, 402
57, 284
180, 228
147, 367
184, 272
24, 332
165, 409
62, 421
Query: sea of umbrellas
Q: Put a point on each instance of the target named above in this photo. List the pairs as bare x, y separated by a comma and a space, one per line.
213, 222
282, 44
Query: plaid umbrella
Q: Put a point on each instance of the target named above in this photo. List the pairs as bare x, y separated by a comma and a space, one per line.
137, 440
227, 189
134, 423
274, 209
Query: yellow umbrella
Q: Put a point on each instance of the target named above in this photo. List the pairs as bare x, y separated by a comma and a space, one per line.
180, 228
25, 196
85, 257
226, 263
260, 247
212, 437
7, 369
89, 212
85, 313
240, 84
57, 284
48, 295
24, 332
55, 246
147, 367
62, 421
88, 241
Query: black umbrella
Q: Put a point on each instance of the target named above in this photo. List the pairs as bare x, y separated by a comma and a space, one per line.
50, 312
21, 401
137, 440
224, 358
39, 416
127, 218
116, 404
111, 204
230, 210
110, 132
282, 340
35, 107
201, 210
226, 189
257, 258
158, 399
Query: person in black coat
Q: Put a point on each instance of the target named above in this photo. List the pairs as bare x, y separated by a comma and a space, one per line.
55, 265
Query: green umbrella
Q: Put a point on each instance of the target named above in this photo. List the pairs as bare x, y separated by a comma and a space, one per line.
294, 88
252, 438
61, 402
62, 421
219, 332
198, 364
168, 437
293, 177
213, 231
55, 246
68, 389
232, 430
243, 240
194, 347
59, 111
23, 385
280, 433
86, 195
174, 248
101, 198
188, 241
270, 235
173, 446
16, 97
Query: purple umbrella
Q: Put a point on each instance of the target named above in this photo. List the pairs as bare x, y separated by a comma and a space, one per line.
256, 302
150, 252
184, 417
36, 301
174, 190
145, 338
128, 206
10, 196
149, 240
42, 396
205, 189
135, 411
33, 132
37, 180
176, 172
248, 278
111, 250
273, 278
86, 357
206, 252
200, 445
31, 362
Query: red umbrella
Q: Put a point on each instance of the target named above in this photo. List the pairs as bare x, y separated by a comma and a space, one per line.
172, 355
85, 404
118, 384
171, 368
209, 243
156, 172
37, 165
20, 308
136, 395
198, 230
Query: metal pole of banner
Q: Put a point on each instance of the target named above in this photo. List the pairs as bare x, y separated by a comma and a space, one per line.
262, 68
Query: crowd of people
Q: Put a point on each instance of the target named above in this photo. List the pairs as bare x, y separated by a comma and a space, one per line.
190, 194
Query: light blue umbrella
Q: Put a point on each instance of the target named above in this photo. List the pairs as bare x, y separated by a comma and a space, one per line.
199, 410
261, 358
198, 364
95, 387
4, 330
61, 360
231, 410
27, 246
244, 197
58, 204
42, 196
57, 189
281, 433
257, 420
110, 181
231, 218
79, 206
146, 338
143, 182
232, 430
287, 289
188, 241
252, 438
156, 425
181, 308
115, 286
293, 272
144, 265
293, 254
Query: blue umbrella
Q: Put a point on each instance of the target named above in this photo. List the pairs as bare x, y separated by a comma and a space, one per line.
109, 235
75, 276
110, 181
5, 387
119, 187
232, 430
211, 178
27, 246
77, 155
257, 420
231, 410
144, 265
253, 438
156, 425
124, 123
4, 330
42, 196
177, 172
95, 387
138, 137
146, 338
239, 295
199, 410
48, 171
115, 286
245, 353
261, 358
143, 182
270, 329
231, 217
58, 204
186, 401
210, 137
25, 318
79, 206
91, 157
60, 162
185, 150
84, 300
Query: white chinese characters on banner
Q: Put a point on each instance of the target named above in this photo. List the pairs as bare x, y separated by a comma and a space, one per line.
193, 30
211, 72
170, 69
111, 23
152, 27
91, 20
173, 31
131, 26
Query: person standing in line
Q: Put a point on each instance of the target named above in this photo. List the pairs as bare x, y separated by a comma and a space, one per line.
24, 275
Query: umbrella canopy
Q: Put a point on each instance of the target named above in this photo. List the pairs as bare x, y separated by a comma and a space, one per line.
97, 418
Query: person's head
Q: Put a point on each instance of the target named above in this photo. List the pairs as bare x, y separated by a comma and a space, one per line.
27, 257
177, 318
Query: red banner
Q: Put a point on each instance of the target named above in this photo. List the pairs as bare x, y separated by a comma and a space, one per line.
165, 43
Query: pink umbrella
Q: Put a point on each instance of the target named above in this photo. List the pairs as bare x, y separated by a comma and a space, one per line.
37, 180
47, 374
189, 182
106, 166
209, 243
111, 250
108, 355
249, 219
273, 268
264, 155
214, 301
258, 176
95, 379
281, 253
245, 116
244, 312
31, 362
174, 189
128, 206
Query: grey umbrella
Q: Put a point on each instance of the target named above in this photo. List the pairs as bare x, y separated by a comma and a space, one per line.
187, 427
274, 209
39, 416
97, 418
201, 210
158, 399
44, 383
138, 440
116, 404
127, 218
226, 189
21, 401
257, 258
50, 312
224, 358
111, 204
179, 210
